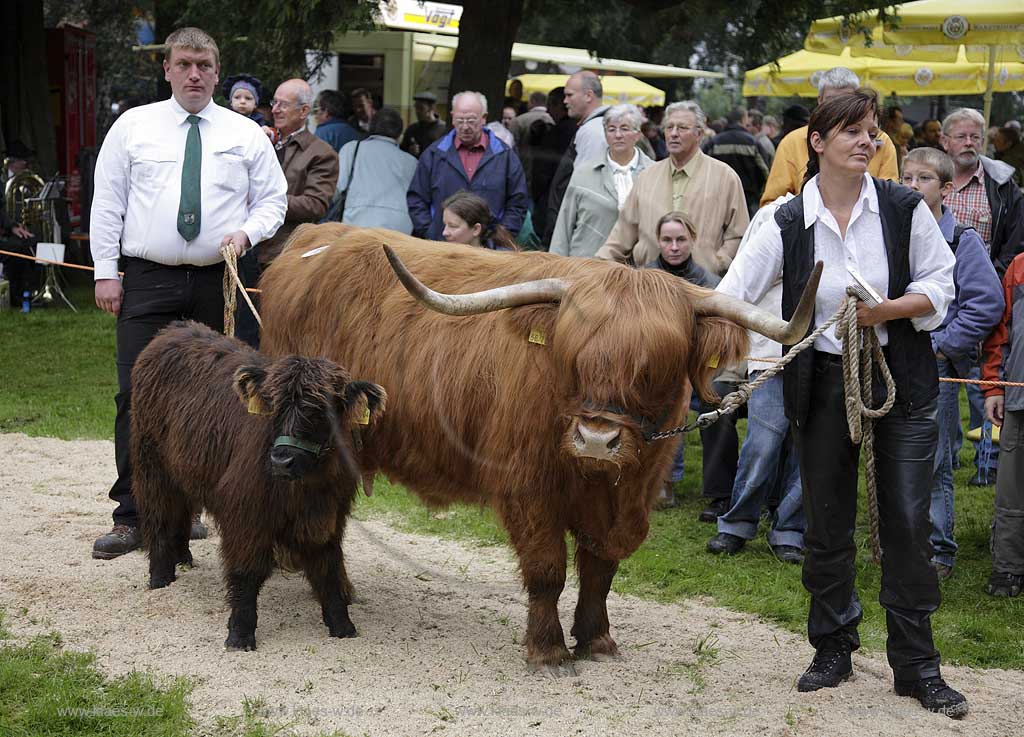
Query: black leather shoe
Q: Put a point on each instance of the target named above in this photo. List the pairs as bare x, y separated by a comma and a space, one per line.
828, 669
1004, 585
788, 554
714, 510
120, 540
723, 542
983, 477
934, 695
199, 531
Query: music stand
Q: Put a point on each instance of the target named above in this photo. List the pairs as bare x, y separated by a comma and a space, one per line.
51, 247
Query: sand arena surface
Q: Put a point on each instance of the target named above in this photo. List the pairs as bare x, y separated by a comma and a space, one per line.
439, 650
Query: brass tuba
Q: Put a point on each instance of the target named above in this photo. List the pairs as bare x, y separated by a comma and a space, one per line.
20, 189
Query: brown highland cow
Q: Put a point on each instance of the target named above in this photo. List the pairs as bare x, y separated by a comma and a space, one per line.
264, 446
537, 395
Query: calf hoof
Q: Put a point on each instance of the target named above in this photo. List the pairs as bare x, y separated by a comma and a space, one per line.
555, 662
602, 649
243, 643
161, 581
345, 629
185, 559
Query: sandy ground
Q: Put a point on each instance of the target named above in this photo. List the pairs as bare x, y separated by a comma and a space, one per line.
440, 632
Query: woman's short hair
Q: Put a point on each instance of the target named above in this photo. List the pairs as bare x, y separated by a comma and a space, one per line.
836, 113
629, 113
387, 122
677, 217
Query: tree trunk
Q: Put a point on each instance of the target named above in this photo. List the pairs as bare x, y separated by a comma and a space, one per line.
24, 87
487, 31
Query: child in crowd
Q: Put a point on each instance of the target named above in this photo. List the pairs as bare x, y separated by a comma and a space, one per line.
972, 314
243, 93
467, 219
1004, 407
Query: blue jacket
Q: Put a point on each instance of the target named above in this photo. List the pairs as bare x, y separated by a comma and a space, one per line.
337, 133
978, 304
439, 174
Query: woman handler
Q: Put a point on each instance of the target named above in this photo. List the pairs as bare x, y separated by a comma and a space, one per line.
886, 233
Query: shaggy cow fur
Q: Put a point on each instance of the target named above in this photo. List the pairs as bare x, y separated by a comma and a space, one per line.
206, 410
483, 408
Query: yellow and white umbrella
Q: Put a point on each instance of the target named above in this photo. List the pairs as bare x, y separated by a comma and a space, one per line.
617, 88
797, 74
989, 31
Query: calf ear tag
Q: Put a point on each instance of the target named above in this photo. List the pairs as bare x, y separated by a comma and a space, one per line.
256, 406
713, 361
538, 337
364, 418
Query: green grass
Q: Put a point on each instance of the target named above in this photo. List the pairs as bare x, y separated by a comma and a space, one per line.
66, 390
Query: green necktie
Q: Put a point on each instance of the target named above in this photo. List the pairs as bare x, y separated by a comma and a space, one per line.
189, 210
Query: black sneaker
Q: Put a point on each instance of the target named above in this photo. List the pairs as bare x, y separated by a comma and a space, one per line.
714, 510
726, 543
120, 540
788, 554
829, 668
934, 695
1004, 585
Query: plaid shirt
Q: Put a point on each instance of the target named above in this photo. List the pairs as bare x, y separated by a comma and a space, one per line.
970, 206
471, 154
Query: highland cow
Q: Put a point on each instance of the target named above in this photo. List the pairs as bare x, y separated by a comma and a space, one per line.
534, 384
263, 445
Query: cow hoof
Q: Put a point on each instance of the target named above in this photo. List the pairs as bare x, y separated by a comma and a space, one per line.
185, 561
240, 643
555, 663
160, 582
566, 669
602, 649
345, 630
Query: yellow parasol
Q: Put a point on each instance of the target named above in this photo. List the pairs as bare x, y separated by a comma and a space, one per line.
617, 88
797, 74
991, 31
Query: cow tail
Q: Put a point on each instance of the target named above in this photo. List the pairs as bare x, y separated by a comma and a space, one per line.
718, 343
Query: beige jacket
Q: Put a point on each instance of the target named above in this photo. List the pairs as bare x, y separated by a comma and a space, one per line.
714, 201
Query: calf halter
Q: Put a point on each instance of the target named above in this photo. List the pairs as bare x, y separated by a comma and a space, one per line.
316, 449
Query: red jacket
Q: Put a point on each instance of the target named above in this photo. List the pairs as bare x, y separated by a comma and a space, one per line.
1008, 336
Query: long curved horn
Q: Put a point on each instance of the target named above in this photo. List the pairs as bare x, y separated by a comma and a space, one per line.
763, 322
499, 298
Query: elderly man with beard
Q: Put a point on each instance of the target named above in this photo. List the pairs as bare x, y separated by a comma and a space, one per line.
985, 198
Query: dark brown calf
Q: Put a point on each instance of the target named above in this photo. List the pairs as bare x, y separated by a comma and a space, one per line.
275, 470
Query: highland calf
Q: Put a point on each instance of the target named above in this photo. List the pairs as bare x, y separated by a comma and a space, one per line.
263, 445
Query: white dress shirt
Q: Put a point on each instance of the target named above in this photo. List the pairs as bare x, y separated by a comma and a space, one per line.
623, 176
138, 185
759, 265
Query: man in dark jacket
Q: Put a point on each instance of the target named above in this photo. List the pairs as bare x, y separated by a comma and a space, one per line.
330, 120
737, 148
467, 158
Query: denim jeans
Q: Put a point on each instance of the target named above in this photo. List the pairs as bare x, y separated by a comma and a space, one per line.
941, 511
767, 458
986, 453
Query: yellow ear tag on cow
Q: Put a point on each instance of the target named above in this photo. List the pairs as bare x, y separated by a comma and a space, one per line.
256, 406
538, 337
364, 419
713, 361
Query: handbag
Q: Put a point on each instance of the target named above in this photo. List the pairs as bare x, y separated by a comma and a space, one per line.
337, 209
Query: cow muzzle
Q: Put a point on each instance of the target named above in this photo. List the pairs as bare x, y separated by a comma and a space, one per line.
292, 458
603, 444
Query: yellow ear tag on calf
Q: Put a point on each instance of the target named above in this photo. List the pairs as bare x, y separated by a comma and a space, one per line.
256, 406
538, 337
364, 419
713, 361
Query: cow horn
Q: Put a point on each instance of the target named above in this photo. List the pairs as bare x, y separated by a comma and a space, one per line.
763, 322
500, 298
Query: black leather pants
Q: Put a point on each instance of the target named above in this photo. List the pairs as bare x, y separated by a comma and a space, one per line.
904, 454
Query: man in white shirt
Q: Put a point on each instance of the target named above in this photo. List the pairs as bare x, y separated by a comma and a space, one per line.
175, 181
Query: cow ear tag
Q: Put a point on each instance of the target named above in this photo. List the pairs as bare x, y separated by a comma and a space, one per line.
256, 406
538, 337
364, 418
713, 361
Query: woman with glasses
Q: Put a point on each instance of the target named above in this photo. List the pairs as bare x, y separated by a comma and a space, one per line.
598, 189
885, 233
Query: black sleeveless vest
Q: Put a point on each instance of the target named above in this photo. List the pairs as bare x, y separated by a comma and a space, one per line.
909, 353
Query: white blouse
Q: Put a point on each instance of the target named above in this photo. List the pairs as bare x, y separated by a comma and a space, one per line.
759, 264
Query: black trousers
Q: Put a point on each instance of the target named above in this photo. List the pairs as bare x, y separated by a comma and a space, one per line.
720, 446
22, 274
246, 327
154, 296
904, 456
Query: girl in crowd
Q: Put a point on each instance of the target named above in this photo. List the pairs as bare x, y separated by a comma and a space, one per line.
467, 219
852, 222
243, 93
